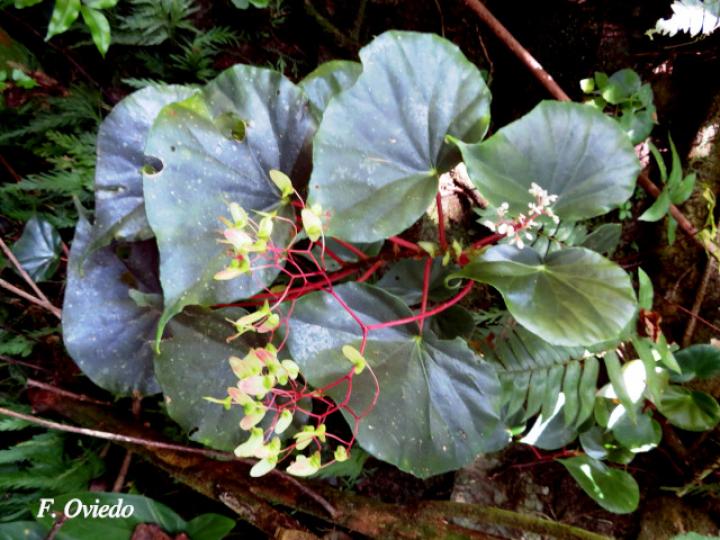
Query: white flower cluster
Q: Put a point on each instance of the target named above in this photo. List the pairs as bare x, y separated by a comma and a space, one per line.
518, 230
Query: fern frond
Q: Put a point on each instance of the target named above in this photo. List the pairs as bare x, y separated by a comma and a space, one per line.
533, 373
152, 22
693, 17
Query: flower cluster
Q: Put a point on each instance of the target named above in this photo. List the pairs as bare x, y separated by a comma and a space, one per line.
518, 230
269, 388
245, 236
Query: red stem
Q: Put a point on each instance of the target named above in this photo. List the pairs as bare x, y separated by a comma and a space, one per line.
438, 309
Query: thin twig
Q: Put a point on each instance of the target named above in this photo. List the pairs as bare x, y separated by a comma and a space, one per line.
66, 393
9, 168
22, 363
30, 281
521, 52
329, 27
150, 443
556, 91
125, 465
30, 298
359, 19
116, 437
711, 269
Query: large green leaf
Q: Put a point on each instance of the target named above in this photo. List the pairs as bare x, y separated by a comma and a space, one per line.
615, 490
437, 407
193, 364
327, 81
689, 409
701, 361
572, 297
105, 330
571, 150
38, 249
23, 530
381, 145
215, 147
119, 208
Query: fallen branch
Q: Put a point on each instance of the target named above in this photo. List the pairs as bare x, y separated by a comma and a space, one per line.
254, 500
558, 93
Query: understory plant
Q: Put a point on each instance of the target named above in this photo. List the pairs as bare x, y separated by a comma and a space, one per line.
253, 257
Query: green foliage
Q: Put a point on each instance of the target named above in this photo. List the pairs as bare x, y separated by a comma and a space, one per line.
676, 190
38, 249
439, 400
421, 394
44, 465
613, 489
197, 54
152, 22
244, 4
66, 12
624, 96
693, 17
380, 147
570, 297
59, 131
145, 510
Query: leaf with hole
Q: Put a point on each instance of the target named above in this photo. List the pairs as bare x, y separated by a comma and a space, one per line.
105, 331
204, 164
380, 147
437, 407
119, 202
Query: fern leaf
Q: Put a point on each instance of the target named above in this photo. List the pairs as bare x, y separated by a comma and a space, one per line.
693, 17
533, 373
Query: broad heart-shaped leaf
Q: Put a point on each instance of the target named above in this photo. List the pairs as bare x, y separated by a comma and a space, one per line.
105, 331
193, 364
119, 208
615, 490
701, 361
571, 150
689, 409
438, 401
381, 144
216, 147
38, 249
327, 81
571, 297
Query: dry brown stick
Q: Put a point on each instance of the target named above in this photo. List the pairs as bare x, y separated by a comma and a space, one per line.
257, 499
66, 393
521, 52
711, 267
151, 443
558, 93
115, 437
30, 298
22, 363
125, 465
30, 281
